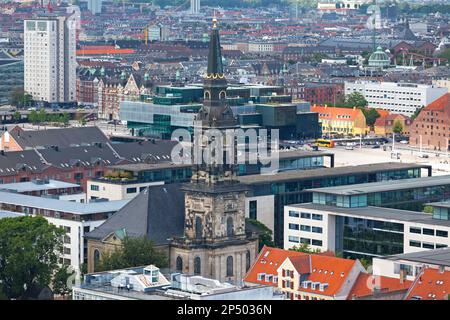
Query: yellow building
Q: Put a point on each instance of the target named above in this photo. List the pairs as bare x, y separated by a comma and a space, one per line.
347, 121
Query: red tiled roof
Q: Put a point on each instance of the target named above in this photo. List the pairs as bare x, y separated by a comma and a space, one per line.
332, 113
97, 50
331, 270
301, 263
268, 261
363, 286
431, 284
440, 104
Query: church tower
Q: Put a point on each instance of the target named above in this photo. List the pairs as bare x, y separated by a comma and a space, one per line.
215, 242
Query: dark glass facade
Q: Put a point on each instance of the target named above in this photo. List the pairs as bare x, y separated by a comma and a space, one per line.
358, 238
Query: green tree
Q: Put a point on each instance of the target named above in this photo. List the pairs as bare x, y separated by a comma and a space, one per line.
17, 116
305, 248
19, 98
355, 100
134, 252
83, 122
371, 116
265, 234
42, 116
29, 249
427, 209
65, 118
398, 127
61, 280
366, 263
416, 113
33, 117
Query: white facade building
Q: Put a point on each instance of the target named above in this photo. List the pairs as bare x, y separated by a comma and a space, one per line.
195, 6
94, 6
318, 226
116, 190
403, 98
75, 218
49, 58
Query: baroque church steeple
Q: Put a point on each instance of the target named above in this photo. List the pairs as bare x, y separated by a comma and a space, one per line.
215, 112
215, 242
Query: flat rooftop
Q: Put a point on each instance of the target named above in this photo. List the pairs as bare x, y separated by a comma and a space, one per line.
60, 205
437, 256
383, 186
377, 213
36, 186
10, 214
295, 175
442, 204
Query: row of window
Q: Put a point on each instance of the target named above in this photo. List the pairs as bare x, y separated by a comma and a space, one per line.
429, 232
306, 228
305, 215
426, 245
313, 242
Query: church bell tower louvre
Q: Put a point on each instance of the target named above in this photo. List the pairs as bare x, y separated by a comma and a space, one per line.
215, 242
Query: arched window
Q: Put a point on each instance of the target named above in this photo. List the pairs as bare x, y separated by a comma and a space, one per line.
197, 265
229, 227
179, 264
96, 258
247, 260
229, 266
222, 95
207, 95
198, 228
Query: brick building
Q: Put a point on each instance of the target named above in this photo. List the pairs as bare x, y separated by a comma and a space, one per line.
431, 128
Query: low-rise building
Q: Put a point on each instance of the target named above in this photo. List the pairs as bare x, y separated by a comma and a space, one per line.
149, 283
301, 276
430, 129
385, 125
347, 121
76, 218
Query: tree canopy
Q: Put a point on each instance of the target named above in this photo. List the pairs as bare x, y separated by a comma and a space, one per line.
398, 127
134, 252
29, 249
371, 116
355, 100
265, 234
305, 248
19, 98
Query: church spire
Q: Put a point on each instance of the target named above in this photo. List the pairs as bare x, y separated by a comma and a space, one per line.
215, 67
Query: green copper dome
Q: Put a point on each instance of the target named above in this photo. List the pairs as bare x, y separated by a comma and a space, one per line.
379, 59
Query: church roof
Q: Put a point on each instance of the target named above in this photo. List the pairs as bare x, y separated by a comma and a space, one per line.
157, 212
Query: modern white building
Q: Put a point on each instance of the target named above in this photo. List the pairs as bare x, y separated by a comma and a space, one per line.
49, 57
409, 265
195, 6
75, 218
158, 33
403, 98
94, 6
116, 189
363, 231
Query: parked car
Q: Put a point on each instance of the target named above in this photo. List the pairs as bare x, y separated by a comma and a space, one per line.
423, 155
376, 146
404, 142
349, 147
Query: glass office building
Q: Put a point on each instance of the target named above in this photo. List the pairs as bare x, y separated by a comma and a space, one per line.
407, 195
366, 238
292, 187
